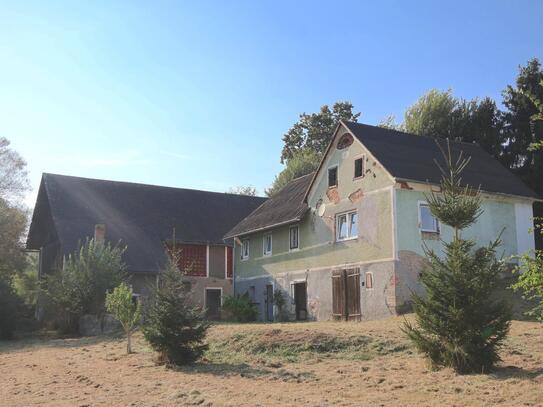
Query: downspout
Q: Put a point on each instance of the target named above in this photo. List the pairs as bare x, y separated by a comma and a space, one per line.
234, 268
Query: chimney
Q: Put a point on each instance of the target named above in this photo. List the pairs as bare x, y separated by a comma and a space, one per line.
99, 233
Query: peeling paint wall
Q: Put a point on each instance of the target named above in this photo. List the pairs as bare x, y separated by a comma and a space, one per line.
319, 253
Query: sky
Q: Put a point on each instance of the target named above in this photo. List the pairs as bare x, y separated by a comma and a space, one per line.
198, 94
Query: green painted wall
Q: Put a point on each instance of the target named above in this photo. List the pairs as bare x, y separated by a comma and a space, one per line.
496, 216
318, 248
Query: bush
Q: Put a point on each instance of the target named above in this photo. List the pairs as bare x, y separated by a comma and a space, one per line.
80, 286
279, 301
530, 281
120, 302
9, 304
172, 325
240, 308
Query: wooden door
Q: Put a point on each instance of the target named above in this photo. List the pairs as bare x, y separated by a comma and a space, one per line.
346, 294
352, 276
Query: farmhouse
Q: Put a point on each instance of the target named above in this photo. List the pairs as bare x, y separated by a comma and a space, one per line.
143, 218
348, 241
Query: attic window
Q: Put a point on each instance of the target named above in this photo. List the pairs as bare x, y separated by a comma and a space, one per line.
332, 177
359, 167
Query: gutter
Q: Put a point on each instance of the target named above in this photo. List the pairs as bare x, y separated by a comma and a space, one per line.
528, 198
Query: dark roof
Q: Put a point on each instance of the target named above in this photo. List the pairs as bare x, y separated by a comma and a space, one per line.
287, 206
411, 158
141, 216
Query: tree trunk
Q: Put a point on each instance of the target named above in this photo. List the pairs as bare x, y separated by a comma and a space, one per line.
128, 342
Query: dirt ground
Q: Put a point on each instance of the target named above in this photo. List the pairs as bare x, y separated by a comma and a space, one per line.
247, 365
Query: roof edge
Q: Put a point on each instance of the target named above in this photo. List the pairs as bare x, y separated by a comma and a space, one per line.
484, 191
286, 222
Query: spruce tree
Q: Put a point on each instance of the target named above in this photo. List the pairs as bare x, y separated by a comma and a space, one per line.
459, 323
173, 326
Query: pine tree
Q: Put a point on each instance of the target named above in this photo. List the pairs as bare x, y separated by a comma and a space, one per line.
173, 326
458, 322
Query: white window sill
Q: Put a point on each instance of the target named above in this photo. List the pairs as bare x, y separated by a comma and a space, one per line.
346, 239
297, 249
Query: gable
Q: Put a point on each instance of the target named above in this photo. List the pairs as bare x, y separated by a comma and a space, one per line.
408, 157
342, 153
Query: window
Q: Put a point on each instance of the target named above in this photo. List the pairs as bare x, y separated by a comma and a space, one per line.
359, 167
332, 177
427, 221
267, 244
369, 281
347, 226
244, 249
294, 238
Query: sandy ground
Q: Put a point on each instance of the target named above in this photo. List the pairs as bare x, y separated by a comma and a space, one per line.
95, 371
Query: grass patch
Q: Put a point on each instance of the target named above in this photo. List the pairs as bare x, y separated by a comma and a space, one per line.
295, 345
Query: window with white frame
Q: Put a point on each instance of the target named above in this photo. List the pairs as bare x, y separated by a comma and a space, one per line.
294, 237
267, 244
245, 249
347, 226
427, 221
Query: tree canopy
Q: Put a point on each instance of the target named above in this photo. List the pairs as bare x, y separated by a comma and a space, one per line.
305, 142
13, 214
314, 131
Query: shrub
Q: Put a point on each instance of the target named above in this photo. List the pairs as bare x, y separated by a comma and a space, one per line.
9, 303
172, 325
240, 308
530, 280
121, 303
80, 286
279, 301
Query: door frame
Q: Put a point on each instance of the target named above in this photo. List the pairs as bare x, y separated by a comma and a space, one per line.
296, 311
220, 298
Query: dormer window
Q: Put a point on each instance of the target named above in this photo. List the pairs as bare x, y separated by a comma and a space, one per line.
332, 177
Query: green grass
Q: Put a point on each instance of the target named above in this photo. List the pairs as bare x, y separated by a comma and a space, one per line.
291, 346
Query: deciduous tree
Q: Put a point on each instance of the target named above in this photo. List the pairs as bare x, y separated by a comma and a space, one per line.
120, 302
314, 131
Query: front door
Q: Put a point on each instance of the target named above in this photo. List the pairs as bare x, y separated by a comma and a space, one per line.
213, 303
269, 303
300, 299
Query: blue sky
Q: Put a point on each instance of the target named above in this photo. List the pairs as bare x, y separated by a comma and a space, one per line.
198, 94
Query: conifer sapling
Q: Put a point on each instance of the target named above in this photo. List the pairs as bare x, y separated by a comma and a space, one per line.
459, 324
